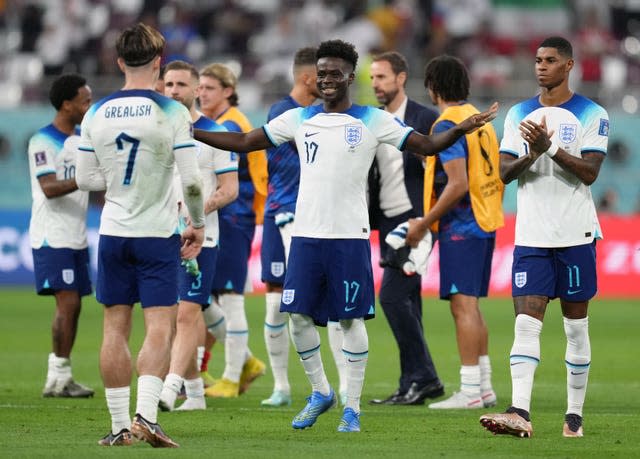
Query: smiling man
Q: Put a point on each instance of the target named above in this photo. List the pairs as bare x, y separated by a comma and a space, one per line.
329, 274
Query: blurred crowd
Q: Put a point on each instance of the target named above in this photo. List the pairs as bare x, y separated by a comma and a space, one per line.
495, 38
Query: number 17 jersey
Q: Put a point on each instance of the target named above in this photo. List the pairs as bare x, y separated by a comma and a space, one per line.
336, 151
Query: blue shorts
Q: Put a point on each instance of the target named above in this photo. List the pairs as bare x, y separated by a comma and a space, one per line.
61, 269
272, 252
568, 273
465, 267
197, 289
329, 279
138, 269
234, 250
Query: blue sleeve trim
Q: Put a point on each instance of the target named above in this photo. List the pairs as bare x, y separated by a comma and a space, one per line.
264, 129
224, 171
86, 149
593, 150
43, 173
509, 152
403, 144
184, 145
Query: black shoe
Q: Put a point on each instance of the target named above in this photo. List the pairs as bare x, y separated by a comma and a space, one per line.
392, 399
416, 394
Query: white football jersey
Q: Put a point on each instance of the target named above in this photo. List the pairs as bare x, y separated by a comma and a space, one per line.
555, 209
336, 151
135, 136
57, 222
212, 162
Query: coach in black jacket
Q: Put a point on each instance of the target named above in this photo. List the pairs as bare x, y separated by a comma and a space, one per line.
395, 195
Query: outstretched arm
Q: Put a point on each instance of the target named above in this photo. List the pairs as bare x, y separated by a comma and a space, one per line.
428, 145
234, 141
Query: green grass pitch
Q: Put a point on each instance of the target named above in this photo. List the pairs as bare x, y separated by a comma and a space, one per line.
31, 426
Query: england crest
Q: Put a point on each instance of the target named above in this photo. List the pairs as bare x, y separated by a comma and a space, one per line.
520, 279
67, 276
353, 134
277, 268
567, 132
288, 295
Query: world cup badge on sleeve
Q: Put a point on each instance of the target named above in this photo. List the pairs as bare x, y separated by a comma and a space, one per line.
288, 296
520, 279
353, 134
41, 158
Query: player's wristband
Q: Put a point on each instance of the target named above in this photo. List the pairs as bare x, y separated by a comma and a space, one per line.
553, 149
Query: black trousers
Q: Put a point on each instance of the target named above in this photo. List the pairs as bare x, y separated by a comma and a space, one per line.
401, 301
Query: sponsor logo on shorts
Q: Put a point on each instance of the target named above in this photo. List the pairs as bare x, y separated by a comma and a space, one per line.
349, 308
277, 268
68, 276
288, 296
520, 279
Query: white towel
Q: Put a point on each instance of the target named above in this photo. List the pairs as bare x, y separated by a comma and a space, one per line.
418, 256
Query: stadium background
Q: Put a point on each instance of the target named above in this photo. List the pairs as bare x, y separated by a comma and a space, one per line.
497, 40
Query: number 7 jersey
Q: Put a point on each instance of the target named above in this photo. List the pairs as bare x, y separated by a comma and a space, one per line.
136, 136
336, 151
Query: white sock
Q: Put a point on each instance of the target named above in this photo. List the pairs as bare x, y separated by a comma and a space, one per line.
199, 356
336, 338
118, 405
171, 389
237, 339
51, 372
306, 339
578, 361
149, 388
276, 338
62, 366
485, 374
194, 388
215, 322
355, 353
470, 380
524, 359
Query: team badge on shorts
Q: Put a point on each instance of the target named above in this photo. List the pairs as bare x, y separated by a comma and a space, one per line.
353, 134
567, 132
520, 279
288, 296
277, 268
67, 276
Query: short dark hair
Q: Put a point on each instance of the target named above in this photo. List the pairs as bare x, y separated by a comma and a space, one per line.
181, 65
561, 44
447, 77
65, 87
338, 48
397, 61
305, 56
140, 44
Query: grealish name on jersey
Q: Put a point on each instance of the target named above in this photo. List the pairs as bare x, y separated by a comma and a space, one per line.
128, 111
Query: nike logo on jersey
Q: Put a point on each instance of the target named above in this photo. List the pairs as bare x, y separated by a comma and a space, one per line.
349, 308
573, 292
309, 134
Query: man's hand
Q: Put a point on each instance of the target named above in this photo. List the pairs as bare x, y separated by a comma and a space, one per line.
479, 119
536, 135
192, 239
417, 231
